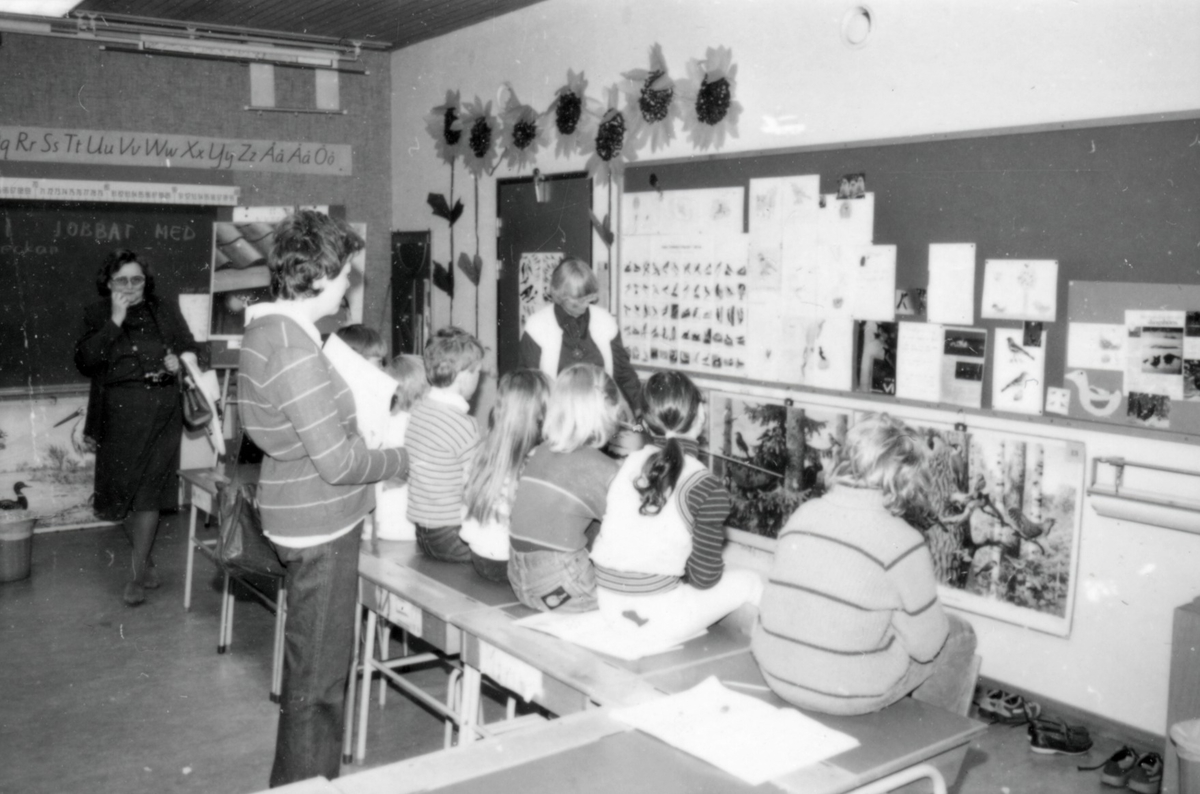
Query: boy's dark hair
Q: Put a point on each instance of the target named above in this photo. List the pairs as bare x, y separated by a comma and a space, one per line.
362, 340
117, 260
309, 245
451, 351
670, 403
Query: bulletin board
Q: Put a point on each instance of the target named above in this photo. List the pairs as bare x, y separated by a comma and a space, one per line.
1115, 203
50, 253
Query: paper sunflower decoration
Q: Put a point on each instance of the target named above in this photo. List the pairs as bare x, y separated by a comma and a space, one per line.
653, 108
444, 124
710, 112
525, 131
609, 148
480, 129
570, 118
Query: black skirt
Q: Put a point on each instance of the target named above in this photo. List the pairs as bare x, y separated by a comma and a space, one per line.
138, 458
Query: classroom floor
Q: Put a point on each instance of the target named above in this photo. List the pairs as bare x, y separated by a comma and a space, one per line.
99, 697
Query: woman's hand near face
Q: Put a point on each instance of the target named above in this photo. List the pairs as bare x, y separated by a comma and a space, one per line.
120, 306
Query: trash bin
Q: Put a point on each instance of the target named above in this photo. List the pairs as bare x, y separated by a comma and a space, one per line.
1186, 736
16, 548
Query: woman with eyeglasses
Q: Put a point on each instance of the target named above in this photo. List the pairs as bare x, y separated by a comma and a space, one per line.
573, 330
130, 347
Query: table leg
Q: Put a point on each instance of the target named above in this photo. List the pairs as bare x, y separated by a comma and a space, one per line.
468, 704
191, 556
368, 661
351, 687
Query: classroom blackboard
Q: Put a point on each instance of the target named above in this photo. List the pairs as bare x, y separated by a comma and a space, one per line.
1113, 203
50, 253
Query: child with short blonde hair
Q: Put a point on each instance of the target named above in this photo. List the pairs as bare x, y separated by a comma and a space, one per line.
514, 429
850, 621
441, 440
391, 496
562, 494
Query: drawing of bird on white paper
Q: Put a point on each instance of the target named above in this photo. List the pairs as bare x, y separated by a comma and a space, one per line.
1017, 350
1017, 383
1096, 401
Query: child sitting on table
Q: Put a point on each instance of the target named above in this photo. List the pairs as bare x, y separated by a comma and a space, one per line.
562, 494
391, 496
658, 556
514, 429
850, 621
441, 439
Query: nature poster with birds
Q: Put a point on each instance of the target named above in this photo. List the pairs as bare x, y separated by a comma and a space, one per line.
46, 467
771, 456
1003, 524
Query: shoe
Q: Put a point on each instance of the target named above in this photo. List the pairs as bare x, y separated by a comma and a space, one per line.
1056, 736
1005, 707
134, 594
1117, 769
1147, 774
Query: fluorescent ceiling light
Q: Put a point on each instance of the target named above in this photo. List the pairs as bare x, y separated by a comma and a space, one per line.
38, 8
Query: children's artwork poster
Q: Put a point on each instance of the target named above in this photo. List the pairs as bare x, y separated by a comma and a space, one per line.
817, 351
684, 301
1154, 353
1003, 525
875, 356
1018, 371
47, 469
963, 353
1020, 289
919, 361
1096, 346
533, 281
771, 457
780, 202
713, 211
912, 302
845, 221
951, 295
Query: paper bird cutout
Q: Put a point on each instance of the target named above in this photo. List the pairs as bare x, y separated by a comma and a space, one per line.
1090, 396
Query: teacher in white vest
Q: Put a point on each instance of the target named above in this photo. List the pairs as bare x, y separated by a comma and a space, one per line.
573, 330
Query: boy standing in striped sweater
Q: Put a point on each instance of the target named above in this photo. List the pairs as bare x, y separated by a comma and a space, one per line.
850, 621
441, 439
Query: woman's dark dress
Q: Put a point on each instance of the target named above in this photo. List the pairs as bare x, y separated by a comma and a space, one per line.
137, 424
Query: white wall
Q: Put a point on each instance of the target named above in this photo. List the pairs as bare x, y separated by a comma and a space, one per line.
931, 67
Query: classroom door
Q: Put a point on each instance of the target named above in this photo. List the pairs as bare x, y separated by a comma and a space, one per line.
533, 235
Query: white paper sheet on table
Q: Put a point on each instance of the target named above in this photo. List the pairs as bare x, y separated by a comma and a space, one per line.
746, 737
372, 388
593, 631
950, 298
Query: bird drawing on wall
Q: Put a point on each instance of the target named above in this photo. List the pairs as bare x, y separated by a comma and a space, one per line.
741, 444
1017, 350
1096, 401
20, 503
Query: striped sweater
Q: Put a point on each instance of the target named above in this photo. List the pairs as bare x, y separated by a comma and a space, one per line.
850, 604
441, 439
700, 502
559, 496
300, 412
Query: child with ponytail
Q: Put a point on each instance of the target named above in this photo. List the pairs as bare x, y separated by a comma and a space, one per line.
658, 559
514, 429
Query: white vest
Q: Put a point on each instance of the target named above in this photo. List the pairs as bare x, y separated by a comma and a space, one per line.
543, 328
631, 542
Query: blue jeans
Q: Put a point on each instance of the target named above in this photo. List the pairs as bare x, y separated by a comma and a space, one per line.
322, 588
443, 543
553, 581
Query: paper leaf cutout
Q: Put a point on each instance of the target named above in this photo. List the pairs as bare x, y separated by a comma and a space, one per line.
471, 266
442, 209
602, 228
443, 279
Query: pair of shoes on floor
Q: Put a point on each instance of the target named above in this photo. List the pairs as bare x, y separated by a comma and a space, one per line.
1140, 772
134, 594
1049, 736
1007, 708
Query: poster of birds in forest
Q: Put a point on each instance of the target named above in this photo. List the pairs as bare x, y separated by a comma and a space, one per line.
771, 456
1003, 524
46, 466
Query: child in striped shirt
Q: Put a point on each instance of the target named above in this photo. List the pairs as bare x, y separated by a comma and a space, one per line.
441, 440
658, 560
850, 620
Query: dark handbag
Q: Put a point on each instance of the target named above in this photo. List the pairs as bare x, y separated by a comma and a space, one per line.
196, 412
241, 545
